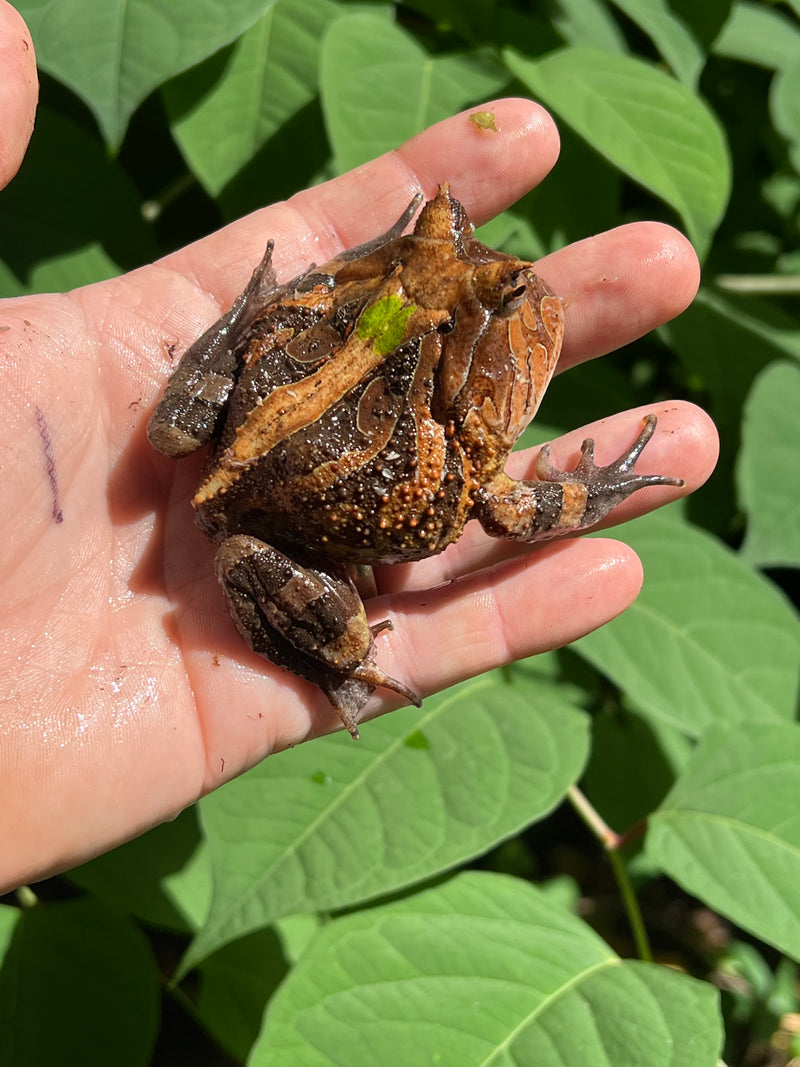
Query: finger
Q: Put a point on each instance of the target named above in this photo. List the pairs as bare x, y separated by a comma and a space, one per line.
519, 608
619, 285
19, 91
685, 445
488, 171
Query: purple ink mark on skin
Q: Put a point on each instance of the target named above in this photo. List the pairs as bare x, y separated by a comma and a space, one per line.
49, 463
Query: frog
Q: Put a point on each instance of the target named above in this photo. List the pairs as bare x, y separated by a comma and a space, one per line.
360, 415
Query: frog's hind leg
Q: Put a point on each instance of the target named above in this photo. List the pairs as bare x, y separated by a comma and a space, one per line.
559, 502
308, 619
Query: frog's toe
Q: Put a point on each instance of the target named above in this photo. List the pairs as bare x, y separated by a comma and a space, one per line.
373, 675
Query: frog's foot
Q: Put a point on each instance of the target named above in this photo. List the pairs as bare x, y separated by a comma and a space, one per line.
565, 501
307, 618
605, 486
348, 694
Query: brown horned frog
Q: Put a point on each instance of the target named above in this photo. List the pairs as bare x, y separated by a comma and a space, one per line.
362, 413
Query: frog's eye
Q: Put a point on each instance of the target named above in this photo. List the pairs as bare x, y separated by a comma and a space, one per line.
447, 326
512, 299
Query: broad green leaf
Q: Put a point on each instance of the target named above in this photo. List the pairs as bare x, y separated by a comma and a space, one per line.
10, 285
115, 53
9, 917
483, 970
726, 342
669, 34
768, 471
784, 101
82, 227
162, 877
784, 106
587, 23
271, 74
379, 87
530, 24
729, 831
759, 34
558, 210
78, 985
708, 640
474, 20
301, 146
236, 983
706, 20
633, 765
70, 270
644, 122
334, 823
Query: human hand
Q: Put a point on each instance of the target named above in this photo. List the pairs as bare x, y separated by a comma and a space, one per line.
127, 692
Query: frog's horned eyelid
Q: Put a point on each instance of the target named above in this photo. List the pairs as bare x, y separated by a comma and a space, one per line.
397, 229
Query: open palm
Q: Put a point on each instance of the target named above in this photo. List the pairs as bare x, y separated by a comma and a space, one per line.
126, 691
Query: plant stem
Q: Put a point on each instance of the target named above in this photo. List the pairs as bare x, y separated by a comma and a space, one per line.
640, 938
612, 842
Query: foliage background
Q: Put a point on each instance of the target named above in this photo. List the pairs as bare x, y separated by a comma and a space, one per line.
428, 895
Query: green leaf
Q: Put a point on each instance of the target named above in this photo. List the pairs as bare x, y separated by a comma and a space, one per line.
84, 230
587, 23
558, 211
78, 985
482, 970
10, 285
271, 74
759, 34
236, 983
162, 877
333, 823
69, 270
669, 34
474, 20
115, 53
379, 87
784, 106
768, 471
9, 917
726, 343
633, 765
729, 831
708, 640
784, 99
647, 124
